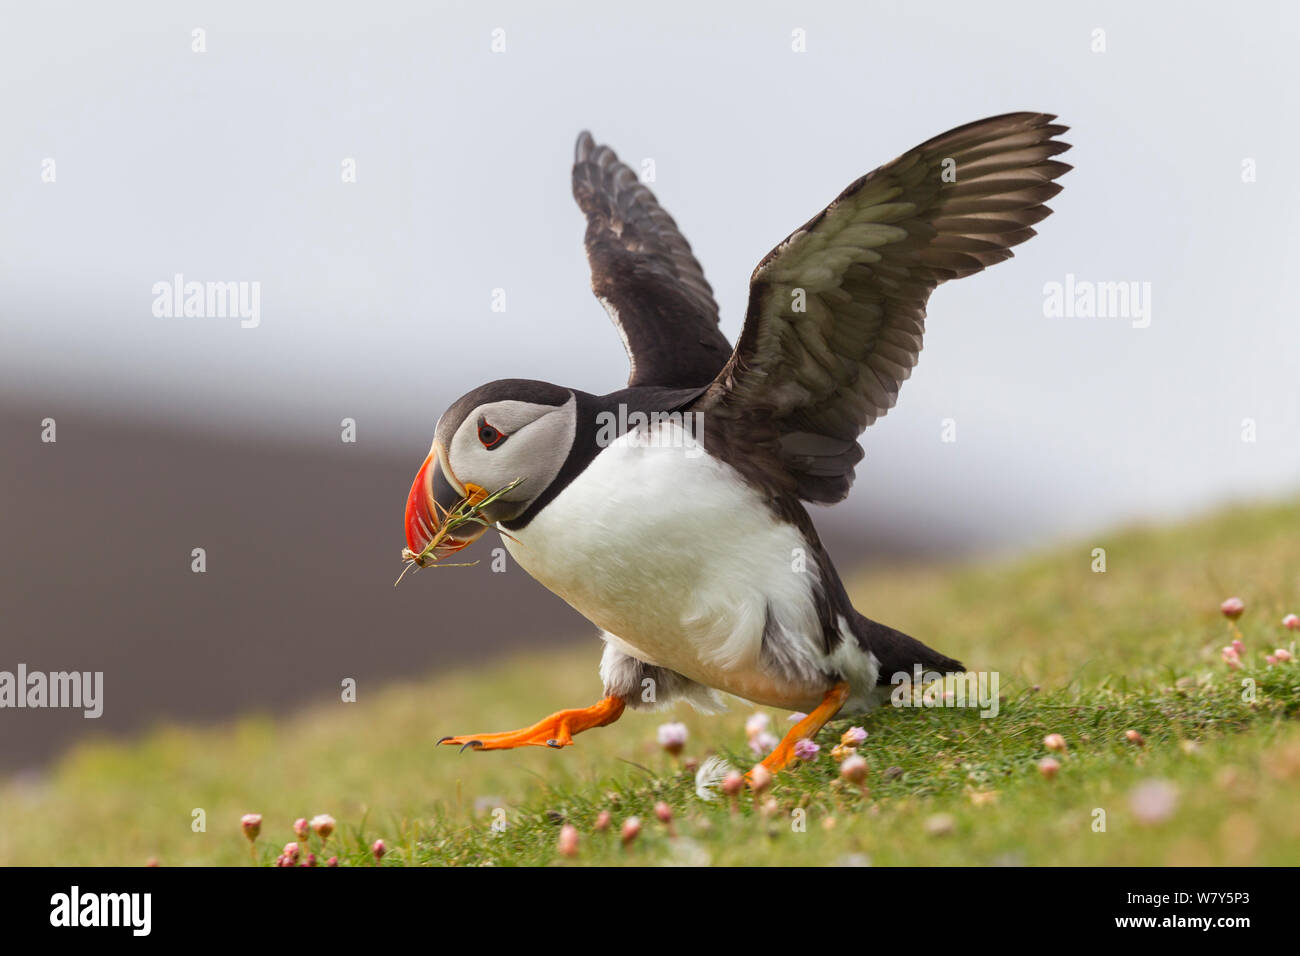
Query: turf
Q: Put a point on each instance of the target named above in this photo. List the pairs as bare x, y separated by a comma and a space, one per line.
1085, 654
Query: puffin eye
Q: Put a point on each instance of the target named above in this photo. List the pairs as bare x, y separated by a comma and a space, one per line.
489, 436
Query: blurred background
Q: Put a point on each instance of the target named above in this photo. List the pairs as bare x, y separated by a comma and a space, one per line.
377, 298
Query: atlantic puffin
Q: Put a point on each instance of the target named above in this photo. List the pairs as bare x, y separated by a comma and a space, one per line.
671, 513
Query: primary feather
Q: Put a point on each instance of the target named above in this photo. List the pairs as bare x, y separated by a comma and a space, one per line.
837, 311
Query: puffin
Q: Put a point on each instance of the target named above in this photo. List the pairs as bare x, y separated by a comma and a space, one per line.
672, 513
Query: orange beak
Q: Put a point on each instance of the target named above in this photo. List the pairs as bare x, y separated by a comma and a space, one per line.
421, 515
434, 493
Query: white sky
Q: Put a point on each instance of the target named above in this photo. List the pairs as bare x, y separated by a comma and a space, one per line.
375, 295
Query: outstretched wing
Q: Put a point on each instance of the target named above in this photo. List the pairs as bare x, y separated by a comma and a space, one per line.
643, 273
836, 311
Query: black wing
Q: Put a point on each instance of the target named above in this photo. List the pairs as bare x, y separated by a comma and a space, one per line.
836, 311
643, 273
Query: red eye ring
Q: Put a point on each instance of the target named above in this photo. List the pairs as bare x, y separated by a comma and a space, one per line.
490, 436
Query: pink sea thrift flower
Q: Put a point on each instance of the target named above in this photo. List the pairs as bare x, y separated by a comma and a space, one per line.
806, 750
631, 827
568, 845
1232, 608
1283, 655
1054, 742
733, 783
757, 724
763, 743
1291, 622
251, 823
323, 824
1154, 801
1049, 767
853, 737
840, 752
378, 850
672, 737
854, 769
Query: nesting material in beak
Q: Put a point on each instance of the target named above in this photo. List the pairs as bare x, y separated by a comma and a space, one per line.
442, 515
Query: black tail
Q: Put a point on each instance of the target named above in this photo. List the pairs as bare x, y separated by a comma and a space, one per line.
899, 653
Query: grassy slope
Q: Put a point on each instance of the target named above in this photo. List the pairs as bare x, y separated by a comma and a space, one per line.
1136, 647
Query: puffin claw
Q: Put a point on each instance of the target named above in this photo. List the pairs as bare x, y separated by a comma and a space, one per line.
443, 740
476, 744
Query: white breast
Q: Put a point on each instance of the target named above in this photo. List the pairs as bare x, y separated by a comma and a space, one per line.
669, 550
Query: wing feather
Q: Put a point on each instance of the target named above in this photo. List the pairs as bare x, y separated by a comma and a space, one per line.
837, 310
643, 272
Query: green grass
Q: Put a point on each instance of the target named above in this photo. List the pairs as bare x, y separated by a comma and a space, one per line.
1134, 648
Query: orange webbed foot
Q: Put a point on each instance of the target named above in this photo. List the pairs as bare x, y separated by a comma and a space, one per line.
555, 731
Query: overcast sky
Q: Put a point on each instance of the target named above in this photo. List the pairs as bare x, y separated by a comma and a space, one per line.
376, 295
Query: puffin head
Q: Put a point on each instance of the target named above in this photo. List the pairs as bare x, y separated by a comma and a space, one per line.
512, 429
